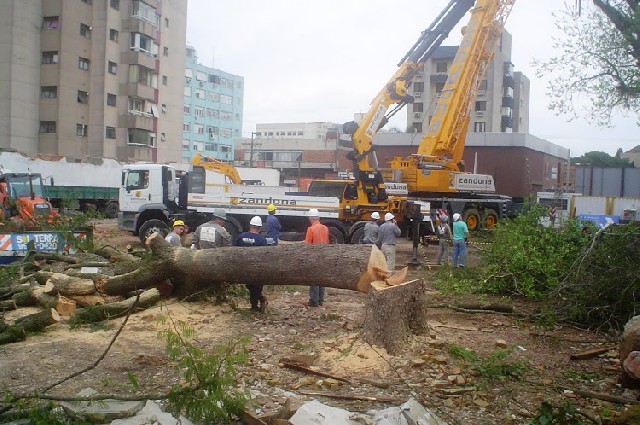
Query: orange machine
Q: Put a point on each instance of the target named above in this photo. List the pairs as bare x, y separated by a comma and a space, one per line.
22, 199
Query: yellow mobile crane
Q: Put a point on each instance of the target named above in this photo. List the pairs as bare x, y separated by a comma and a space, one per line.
436, 172
218, 166
367, 191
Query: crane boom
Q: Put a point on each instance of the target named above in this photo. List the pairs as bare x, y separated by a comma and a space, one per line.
218, 166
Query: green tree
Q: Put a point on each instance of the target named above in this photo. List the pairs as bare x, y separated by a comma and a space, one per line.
599, 61
600, 159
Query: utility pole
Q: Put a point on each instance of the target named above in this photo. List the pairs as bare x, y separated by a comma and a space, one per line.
251, 151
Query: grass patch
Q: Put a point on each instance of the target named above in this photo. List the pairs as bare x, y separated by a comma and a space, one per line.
496, 365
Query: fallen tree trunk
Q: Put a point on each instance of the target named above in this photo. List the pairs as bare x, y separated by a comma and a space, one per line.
7, 305
9, 291
69, 285
31, 323
351, 267
394, 313
102, 312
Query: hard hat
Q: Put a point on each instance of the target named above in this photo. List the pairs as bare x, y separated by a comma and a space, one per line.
314, 213
444, 218
375, 215
388, 216
178, 223
218, 212
271, 207
256, 221
456, 217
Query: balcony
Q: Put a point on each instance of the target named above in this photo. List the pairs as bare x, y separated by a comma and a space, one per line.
136, 119
507, 101
138, 58
438, 78
141, 26
138, 90
507, 81
506, 122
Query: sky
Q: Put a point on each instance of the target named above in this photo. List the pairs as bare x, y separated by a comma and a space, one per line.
324, 60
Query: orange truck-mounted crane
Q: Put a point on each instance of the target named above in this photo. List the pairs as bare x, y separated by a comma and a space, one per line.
436, 173
22, 199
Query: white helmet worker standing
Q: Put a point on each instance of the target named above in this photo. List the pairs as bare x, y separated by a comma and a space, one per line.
387, 235
375, 215
249, 239
371, 229
456, 217
388, 216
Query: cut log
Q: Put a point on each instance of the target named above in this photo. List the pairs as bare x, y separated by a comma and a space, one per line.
31, 323
56, 257
106, 311
7, 305
45, 299
69, 285
394, 313
351, 267
65, 306
113, 254
87, 300
25, 298
9, 291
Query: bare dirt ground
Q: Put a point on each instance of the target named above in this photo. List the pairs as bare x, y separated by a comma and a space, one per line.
459, 392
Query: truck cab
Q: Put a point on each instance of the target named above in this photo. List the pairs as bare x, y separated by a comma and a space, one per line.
21, 196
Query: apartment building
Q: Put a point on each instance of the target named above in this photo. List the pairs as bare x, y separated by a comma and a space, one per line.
99, 78
502, 103
212, 118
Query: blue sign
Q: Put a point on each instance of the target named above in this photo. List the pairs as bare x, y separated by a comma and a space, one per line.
600, 220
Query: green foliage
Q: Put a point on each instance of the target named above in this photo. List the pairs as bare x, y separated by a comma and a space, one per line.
548, 414
8, 275
600, 159
602, 290
496, 365
449, 279
42, 414
209, 392
528, 259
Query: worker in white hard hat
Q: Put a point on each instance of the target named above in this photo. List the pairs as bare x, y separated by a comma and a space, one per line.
443, 231
174, 237
317, 233
254, 238
371, 229
460, 237
273, 226
387, 235
212, 234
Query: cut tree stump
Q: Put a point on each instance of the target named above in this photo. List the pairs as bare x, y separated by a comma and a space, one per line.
351, 267
66, 307
31, 323
394, 313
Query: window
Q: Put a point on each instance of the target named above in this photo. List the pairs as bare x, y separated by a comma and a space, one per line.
441, 67
439, 88
228, 116
163, 108
226, 83
143, 43
85, 30
165, 51
110, 132
225, 148
47, 126
417, 127
198, 111
199, 94
198, 128
483, 85
113, 35
166, 22
137, 106
418, 87
87, 1
187, 91
113, 68
137, 179
187, 109
49, 57
111, 99
115, 4
185, 145
418, 107
213, 97
481, 105
198, 146
211, 147
227, 100
83, 97
143, 75
83, 63
226, 132
50, 23
186, 126
213, 130
81, 130
144, 12
140, 137
213, 113
201, 76
165, 80
215, 79
163, 137
479, 127
48, 92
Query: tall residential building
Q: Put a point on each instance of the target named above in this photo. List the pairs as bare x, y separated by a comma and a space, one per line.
100, 78
502, 104
212, 110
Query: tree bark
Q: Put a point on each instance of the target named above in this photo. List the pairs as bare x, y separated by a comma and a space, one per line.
31, 323
394, 313
68, 285
7, 305
106, 311
9, 291
351, 267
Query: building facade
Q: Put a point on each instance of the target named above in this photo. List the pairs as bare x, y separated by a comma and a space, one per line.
502, 103
298, 150
213, 102
99, 78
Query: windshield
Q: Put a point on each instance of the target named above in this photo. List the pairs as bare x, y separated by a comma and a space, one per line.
327, 188
19, 186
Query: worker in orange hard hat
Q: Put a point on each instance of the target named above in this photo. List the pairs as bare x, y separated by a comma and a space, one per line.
174, 237
273, 226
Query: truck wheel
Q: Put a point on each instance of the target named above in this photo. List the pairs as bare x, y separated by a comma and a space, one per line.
150, 227
358, 236
472, 218
111, 210
335, 235
490, 218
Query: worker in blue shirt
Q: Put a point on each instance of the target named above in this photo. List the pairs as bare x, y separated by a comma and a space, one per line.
273, 226
254, 238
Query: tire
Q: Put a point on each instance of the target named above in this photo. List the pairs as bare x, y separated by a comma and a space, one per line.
358, 236
471, 218
111, 209
153, 226
335, 235
490, 218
